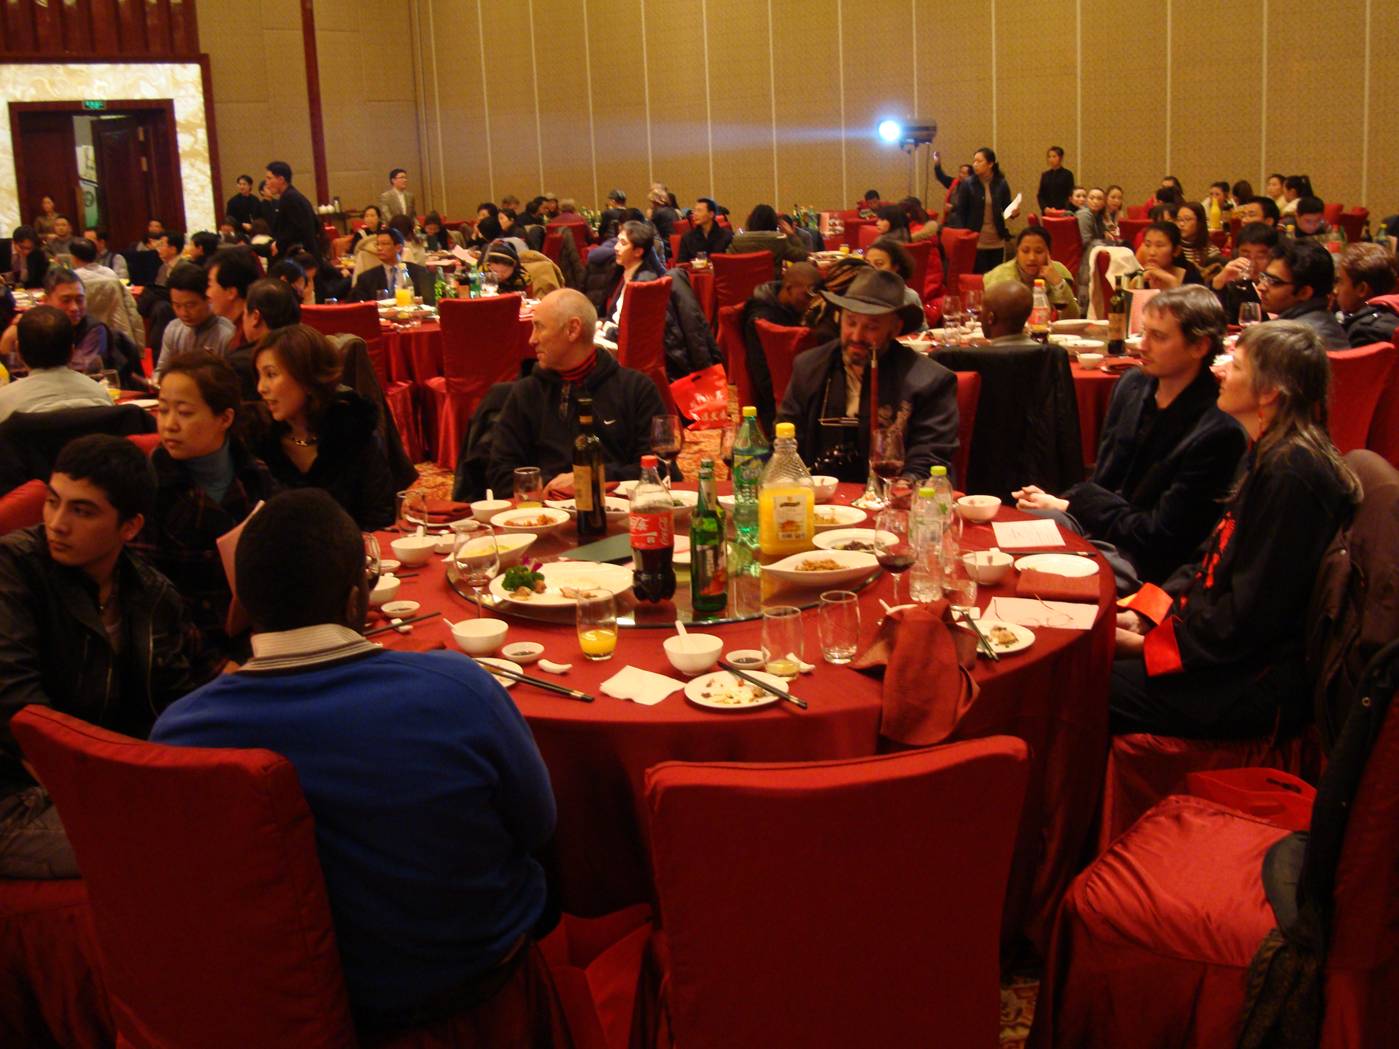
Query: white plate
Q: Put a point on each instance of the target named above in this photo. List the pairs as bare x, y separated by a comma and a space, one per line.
578, 575
1075, 325
695, 690
624, 488
832, 539
1024, 636
145, 402
611, 504
529, 519
682, 550
504, 664
857, 564
686, 502
1058, 564
838, 516
726, 501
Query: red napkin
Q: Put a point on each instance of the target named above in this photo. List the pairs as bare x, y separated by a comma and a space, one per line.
447, 509
1053, 587
928, 687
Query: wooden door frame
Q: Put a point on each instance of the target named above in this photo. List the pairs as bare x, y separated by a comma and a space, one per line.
206, 81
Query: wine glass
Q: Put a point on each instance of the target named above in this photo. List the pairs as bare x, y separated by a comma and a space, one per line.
952, 319
529, 486
490, 283
887, 455
892, 548
371, 559
971, 305
1250, 313
476, 558
667, 438
726, 445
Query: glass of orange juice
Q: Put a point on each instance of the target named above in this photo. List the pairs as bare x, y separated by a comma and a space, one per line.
597, 624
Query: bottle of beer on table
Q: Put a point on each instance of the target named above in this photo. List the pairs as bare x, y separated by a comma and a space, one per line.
589, 482
1117, 321
652, 526
709, 577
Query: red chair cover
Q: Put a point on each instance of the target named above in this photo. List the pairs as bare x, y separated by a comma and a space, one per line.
854, 228
681, 226
927, 268
1136, 211
867, 235
23, 506
735, 350
480, 347
968, 396
1353, 222
595, 963
675, 246
641, 332
781, 344
1384, 427
1269, 794
1332, 212
362, 319
830, 886
1100, 278
1131, 229
1068, 242
959, 245
970, 282
736, 277
553, 245
1153, 939
1358, 377
147, 442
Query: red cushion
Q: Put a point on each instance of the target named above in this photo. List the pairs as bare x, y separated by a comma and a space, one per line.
641, 332
1358, 377
781, 344
736, 277
23, 506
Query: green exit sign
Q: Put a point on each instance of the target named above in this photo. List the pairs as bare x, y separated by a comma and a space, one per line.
94, 103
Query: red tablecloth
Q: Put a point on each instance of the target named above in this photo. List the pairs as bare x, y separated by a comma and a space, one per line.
1054, 696
1093, 389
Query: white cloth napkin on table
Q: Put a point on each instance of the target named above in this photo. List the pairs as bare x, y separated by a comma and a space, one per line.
640, 686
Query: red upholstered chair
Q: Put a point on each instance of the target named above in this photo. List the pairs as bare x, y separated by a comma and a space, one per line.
681, 226
147, 442
1153, 941
781, 344
23, 506
968, 396
579, 232
735, 351
1068, 242
959, 245
1332, 212
736, 277
1131, 229
1358, 378
641, 332
362, 319
675, 246
820, 904
854, 229
924, 258
970, 282
1353, 222
1384, 427
553, 244
867, 235
1136, 211
1100, 277
480, 347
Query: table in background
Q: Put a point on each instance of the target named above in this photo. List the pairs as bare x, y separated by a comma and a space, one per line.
1054, 696
1093, 390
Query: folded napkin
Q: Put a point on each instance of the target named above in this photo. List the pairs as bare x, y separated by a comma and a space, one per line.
447, 509
928, 687
640, 686
1053, 587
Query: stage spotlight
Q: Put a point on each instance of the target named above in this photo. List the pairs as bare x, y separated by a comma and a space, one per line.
891, 130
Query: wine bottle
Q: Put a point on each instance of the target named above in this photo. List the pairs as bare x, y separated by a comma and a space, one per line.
1117, 321
589, 484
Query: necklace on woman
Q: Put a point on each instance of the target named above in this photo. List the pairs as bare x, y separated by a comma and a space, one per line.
307, 442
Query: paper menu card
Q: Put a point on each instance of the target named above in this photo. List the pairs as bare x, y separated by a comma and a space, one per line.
1012, 206
1012, 535
462, 255
1024, 611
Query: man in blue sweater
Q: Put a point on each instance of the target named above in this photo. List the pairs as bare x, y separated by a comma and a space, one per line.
428, 792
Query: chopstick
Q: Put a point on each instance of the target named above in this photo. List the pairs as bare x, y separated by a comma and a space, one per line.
394, 626
548, 686
985, 644
762, 684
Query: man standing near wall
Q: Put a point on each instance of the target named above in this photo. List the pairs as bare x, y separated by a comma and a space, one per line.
396, 200
296, 219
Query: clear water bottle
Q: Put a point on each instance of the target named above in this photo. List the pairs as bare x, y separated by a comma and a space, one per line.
925, 574
941, 485
750, 454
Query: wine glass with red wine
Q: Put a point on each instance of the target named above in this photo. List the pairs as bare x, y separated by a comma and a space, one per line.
887, 455
892, 548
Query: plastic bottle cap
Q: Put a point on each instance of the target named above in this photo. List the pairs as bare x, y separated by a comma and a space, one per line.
1039, 282
750, 412
786, 430
939, 471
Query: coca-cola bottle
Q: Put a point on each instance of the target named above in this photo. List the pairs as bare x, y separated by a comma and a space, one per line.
652, 526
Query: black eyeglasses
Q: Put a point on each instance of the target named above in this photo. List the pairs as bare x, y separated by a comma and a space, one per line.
1274, 281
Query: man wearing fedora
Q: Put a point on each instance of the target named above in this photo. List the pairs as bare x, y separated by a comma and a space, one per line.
830, 383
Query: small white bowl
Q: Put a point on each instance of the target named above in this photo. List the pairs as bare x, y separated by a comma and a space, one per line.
414, 549
510, 547
529, 520
484, 509
399, 609
1090, 360
979, 508
693, 654
384, 590
388, 567
988, 567
480, 637
746, 658
824, 486
523, 652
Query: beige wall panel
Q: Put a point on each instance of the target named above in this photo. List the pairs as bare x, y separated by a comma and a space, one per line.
1215, 114
1124, 128
619, 99
1382, 195
1315, 94
563, 100
741, 103
808, 103
878, 84
1036, 104
954, 83
455, 58
510, 109
679, 128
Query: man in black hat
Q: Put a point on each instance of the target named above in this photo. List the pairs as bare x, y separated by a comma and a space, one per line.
830, 384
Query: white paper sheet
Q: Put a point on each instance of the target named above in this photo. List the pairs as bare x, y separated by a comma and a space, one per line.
1067, 615
1010, 209
640, 686
462, 254
1014, 535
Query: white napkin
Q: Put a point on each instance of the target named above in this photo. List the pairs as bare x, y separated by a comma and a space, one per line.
1067, 615
640, 686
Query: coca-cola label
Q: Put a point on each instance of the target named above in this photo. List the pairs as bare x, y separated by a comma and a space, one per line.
652, 531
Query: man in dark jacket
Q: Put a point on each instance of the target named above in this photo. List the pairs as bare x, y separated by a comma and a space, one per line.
706, 235
916, 395
1167, 456
1365, 285
28, 262
90, 630
296, 221
382, 281
777, 302
1295, 286
539, 421
689, 341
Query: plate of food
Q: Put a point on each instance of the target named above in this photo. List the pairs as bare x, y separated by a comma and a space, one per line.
1004, 637
558, 584
724, 691
848, 539
823, 568
1070, 565
510, 548
835, 515
611, 504
535, 519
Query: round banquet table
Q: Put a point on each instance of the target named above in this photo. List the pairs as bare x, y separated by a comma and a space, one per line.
1053, 695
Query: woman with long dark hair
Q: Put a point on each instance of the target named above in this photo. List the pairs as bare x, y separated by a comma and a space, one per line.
1216, 652
891, 220
983, 199
1195, 243
1163, 266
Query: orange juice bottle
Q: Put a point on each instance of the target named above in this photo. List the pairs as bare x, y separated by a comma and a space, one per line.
786, 500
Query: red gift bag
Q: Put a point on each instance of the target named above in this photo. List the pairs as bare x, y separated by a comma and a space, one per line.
703, 397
